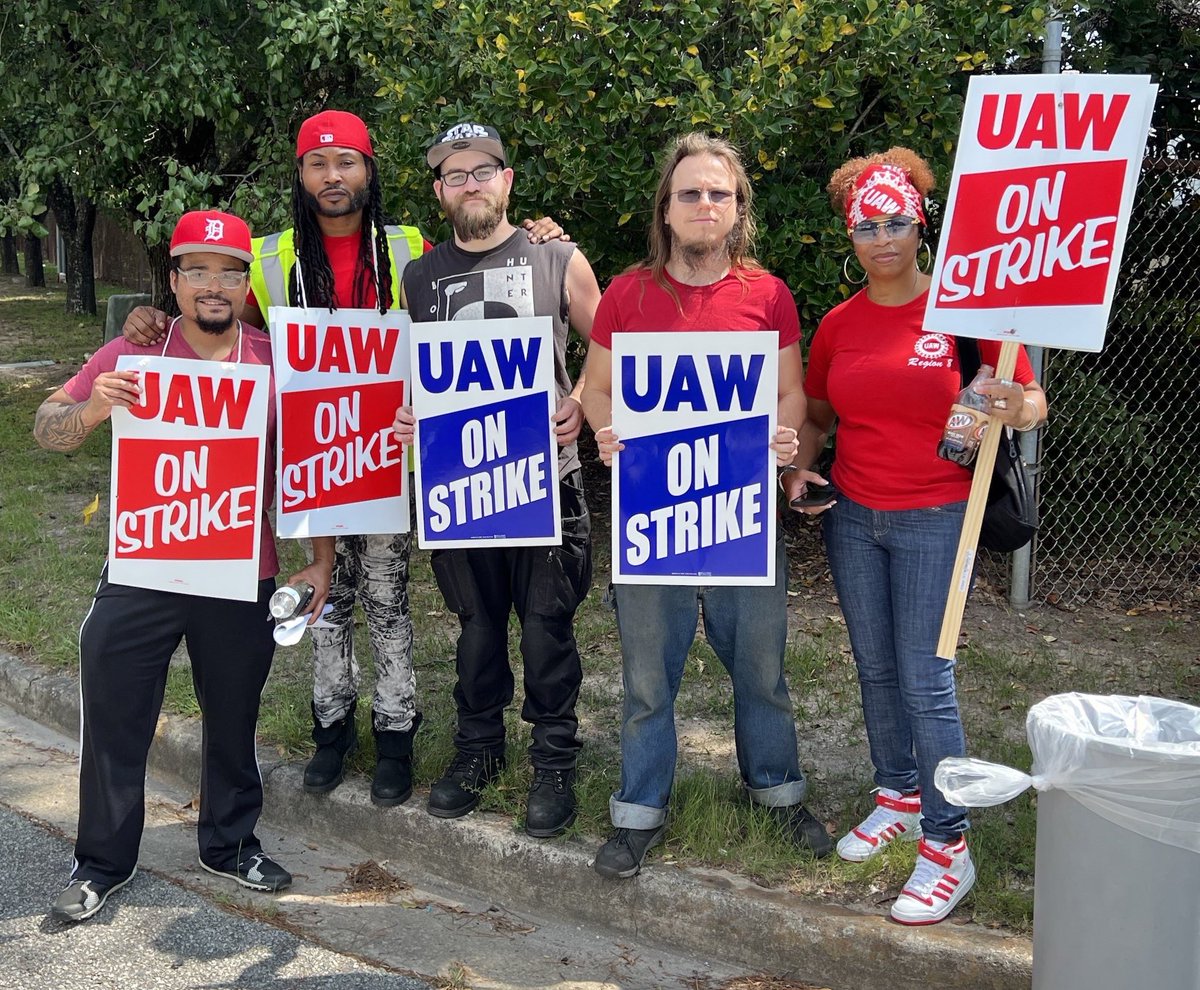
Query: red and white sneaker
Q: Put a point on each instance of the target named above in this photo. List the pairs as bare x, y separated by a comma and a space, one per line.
897, 817
943, 875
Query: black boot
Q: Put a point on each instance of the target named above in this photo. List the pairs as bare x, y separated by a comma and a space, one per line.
335, 744
393, 765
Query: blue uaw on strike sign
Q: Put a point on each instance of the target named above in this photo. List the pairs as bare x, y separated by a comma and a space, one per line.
693, 490
487, 460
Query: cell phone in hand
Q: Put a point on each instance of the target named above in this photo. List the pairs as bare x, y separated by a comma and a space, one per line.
814, 496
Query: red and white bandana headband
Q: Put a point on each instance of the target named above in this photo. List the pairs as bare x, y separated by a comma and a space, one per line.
883, 189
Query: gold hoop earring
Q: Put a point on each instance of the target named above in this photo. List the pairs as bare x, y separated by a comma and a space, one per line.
928, 259
846, 273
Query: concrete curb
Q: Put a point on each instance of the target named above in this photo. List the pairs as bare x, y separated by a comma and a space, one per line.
705, 911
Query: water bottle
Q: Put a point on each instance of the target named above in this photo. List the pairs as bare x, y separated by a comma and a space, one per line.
291, 600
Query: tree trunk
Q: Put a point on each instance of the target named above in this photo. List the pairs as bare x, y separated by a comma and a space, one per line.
9, 263
161, 264
76, 218
35, 274
81, 275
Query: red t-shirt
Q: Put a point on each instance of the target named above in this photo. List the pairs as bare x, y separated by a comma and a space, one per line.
635, 302
343, 259
891, 385
255, 349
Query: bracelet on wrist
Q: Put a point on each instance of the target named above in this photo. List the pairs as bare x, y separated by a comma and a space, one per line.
1033, 423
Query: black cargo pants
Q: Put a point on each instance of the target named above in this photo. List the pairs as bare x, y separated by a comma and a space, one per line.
545, 585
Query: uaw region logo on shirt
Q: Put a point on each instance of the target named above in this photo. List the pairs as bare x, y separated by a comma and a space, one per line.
491, 294
932, 351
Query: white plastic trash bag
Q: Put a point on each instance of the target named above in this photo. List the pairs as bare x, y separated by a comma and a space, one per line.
1133, 761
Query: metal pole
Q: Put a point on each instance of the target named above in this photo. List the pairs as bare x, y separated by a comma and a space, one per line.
1019, 585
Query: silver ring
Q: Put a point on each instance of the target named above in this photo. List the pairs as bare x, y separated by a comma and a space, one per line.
1001, 403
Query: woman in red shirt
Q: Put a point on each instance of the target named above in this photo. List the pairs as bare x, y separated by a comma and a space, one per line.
892, 531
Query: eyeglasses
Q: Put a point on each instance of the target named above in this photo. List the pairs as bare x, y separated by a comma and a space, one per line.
896, 228
481, 174
718, 197
198, 278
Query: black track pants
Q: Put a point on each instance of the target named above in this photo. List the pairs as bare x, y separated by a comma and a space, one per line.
125, 647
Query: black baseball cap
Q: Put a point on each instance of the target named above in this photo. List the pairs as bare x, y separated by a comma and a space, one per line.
465, 137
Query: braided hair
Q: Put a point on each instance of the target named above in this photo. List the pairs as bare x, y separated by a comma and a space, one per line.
314, 262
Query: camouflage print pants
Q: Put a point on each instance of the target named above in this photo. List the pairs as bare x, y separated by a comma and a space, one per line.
375, 568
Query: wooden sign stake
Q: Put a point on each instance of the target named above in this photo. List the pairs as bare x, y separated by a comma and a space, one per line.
964, 562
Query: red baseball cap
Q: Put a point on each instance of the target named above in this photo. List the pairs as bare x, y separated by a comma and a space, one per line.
214, 232
333, 129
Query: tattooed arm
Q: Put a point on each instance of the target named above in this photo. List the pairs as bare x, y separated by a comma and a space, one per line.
63, 424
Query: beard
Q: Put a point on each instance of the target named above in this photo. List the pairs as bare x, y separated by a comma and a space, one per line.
697, 256
355, 204
473, 224
705, 254
215, 325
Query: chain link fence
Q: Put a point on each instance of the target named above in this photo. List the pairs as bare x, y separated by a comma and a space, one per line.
1119, 481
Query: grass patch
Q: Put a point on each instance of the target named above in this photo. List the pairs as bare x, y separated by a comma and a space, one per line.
52, 560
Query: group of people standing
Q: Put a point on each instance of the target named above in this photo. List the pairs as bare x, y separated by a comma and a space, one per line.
891, 531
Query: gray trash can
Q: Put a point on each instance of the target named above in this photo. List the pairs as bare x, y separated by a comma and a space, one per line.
1117, 873
119, 307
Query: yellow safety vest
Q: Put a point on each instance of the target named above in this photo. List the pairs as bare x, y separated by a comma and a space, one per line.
275, 256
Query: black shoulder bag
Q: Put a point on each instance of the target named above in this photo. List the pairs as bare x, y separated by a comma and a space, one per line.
1010, 519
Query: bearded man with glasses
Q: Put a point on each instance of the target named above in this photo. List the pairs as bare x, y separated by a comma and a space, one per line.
490, 270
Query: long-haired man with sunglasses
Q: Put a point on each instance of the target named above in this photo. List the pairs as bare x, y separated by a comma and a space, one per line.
490, 270
700, 276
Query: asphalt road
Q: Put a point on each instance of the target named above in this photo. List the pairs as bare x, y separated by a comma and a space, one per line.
152, 935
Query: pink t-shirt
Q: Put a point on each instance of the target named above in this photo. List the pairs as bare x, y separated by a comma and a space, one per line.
255, 348
891, 385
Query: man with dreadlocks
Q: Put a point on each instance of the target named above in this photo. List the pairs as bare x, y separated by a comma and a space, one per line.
341, 253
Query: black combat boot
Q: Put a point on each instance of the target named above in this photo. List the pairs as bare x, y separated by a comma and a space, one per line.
393, 765
550, 809
459, 789
335, 744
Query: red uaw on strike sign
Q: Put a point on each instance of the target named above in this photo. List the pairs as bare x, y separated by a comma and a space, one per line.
340, 376
1038, 208
187, 478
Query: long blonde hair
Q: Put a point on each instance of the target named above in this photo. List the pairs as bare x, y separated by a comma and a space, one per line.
740, 241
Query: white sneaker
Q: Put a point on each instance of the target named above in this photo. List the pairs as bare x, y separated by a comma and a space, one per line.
896, 817
943, 875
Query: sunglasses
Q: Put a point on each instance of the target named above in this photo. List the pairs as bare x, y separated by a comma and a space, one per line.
718, 197
895, 227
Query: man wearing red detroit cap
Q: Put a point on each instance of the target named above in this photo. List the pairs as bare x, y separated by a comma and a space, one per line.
129, 635
334, 257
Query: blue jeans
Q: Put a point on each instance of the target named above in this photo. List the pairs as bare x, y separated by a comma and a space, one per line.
892, 571
747, 629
